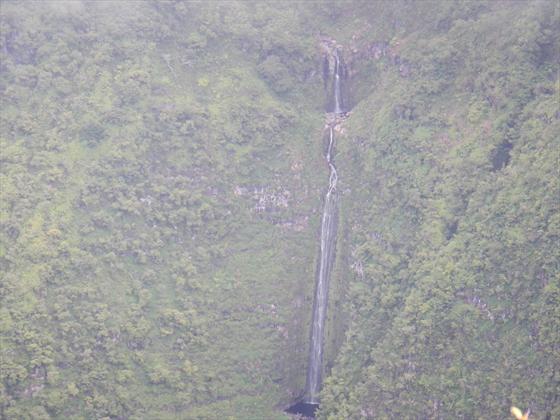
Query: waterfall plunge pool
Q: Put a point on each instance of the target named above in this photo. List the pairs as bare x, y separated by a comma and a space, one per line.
307, 410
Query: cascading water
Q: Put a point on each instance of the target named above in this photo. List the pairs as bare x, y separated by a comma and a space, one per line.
337, 84
329, 222
328, 239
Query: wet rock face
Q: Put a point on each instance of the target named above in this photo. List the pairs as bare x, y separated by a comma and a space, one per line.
335, 75
326, 70
330, 49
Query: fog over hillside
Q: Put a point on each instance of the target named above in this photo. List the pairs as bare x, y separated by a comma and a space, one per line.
275, 210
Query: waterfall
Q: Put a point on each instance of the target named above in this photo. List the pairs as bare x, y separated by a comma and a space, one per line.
327, 252
335, 113
337, 84
328, 239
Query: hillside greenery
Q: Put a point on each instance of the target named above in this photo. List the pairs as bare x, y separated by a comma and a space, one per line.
450, 170
159, 209
160, 199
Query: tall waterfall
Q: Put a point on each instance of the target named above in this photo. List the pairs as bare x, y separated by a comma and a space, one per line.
328, 239
337, 84
327, 254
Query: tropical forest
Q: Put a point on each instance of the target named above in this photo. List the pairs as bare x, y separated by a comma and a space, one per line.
279, 209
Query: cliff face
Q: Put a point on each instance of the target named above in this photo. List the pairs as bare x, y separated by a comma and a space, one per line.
161, 187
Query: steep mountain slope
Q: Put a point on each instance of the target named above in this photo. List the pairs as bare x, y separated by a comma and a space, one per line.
161, 182
452, 188
159, 208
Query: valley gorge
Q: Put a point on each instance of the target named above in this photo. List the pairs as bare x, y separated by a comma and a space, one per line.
269, 210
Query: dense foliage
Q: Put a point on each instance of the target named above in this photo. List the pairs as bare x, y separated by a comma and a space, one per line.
160, 197
452, 207
159, 206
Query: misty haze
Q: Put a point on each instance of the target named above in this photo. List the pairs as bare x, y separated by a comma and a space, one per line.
279, 210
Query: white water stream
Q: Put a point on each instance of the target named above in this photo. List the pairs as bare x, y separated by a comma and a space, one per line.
327, 254
328, 239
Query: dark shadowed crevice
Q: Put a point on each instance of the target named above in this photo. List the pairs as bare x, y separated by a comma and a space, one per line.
501, 155
306, 410
451, 229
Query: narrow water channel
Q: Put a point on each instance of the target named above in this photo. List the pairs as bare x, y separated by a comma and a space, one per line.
329, 222
326, 259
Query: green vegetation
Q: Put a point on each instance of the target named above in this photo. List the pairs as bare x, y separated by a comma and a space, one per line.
451, 204
160, 196
159, 209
